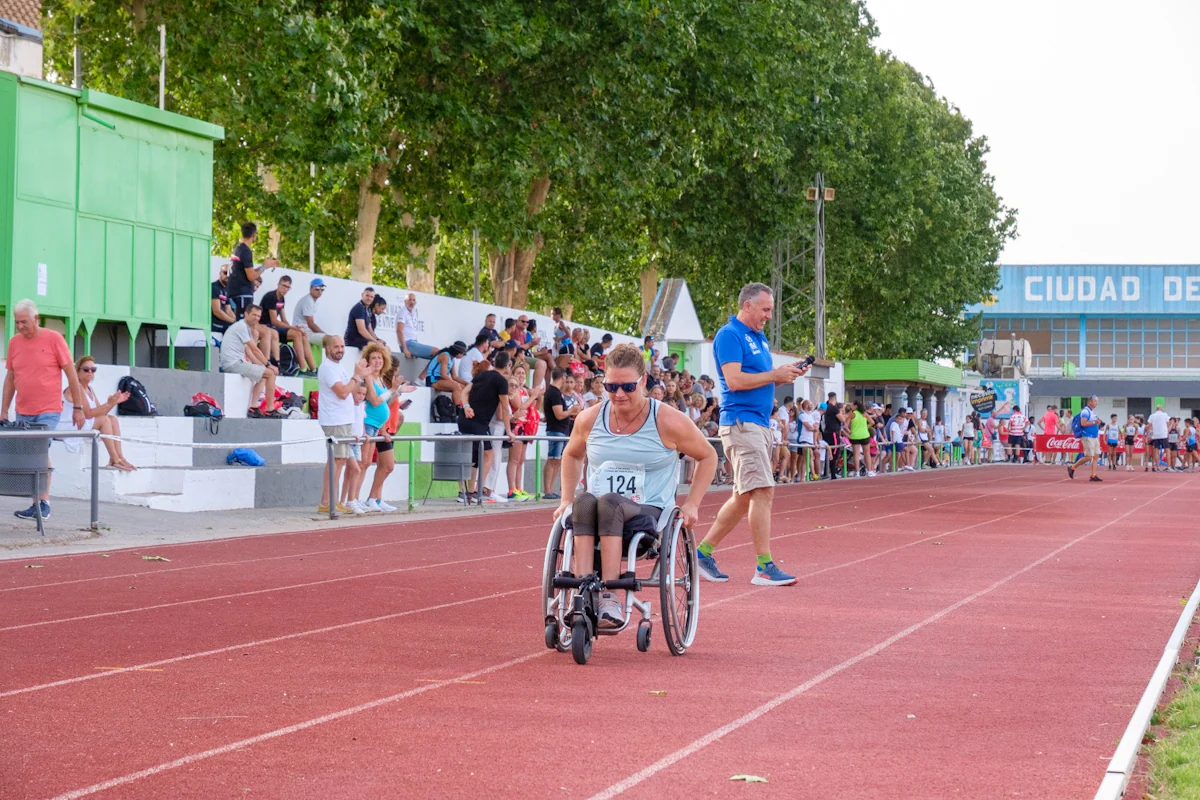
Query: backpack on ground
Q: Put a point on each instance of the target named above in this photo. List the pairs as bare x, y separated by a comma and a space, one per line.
289, 366
442, 409
1077, 426
205, 406
138, 404
312, 403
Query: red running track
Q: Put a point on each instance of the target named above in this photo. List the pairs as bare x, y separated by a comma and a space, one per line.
977, 633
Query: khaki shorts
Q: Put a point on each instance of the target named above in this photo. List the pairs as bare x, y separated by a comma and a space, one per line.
748, 447
1091, 447
341, 449
246, 369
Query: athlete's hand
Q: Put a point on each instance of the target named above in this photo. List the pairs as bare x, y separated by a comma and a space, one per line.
562, 508
690, 513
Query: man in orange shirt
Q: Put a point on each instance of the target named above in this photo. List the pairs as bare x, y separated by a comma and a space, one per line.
1050, 426
36, 356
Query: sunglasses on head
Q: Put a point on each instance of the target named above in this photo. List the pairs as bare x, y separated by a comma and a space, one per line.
628, 388
87, 369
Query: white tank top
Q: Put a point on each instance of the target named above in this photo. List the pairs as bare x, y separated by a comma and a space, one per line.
64, 421
644, 447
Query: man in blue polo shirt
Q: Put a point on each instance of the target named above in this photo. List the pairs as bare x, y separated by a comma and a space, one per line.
748, 379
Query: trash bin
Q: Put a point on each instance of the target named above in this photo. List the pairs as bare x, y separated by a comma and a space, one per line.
21, 459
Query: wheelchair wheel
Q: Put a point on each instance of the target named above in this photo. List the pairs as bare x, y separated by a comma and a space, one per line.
556, 603
643, 635
581, 643
679, 587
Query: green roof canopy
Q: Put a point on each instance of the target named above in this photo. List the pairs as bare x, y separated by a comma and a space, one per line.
902, 371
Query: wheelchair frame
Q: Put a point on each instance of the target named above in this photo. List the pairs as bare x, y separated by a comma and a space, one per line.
569, 602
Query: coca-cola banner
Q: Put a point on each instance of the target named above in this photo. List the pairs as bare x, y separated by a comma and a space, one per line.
1057, 443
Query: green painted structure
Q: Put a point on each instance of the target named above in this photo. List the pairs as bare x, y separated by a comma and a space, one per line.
914, 371
105, 210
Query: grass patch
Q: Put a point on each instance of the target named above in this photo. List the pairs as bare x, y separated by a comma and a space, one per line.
1175, 757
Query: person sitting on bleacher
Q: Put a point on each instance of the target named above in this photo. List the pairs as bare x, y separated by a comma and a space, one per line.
222, 308
275, 311
442, 377
241, 356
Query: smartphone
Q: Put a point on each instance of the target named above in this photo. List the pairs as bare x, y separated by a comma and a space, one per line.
404, 406
808, 361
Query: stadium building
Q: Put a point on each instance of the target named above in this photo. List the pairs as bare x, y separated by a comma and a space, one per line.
1129, 334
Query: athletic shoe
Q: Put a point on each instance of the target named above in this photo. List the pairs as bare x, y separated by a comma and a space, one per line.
709, 570
494, 498
909, 469
771, 575
254, 413
551, 496
1096, 479
462, 497
357, 507
385, 507
342, 509
32, 511
523, 495
513, 497
1128, 468
1071, 471
323, 508
870, 473
610, 612
372, 506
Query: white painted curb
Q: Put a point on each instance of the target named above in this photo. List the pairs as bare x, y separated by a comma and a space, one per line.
1125, 757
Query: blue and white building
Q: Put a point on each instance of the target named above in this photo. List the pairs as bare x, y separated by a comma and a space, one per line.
1129, 334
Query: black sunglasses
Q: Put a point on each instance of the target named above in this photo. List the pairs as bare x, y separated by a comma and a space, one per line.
87, 369
629, 388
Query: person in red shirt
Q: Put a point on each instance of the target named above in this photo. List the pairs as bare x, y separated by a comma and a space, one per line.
36, 357
1049, 426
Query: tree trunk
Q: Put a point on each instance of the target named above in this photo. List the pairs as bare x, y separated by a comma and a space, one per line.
649, 280
422, 278
362, 258
512, 269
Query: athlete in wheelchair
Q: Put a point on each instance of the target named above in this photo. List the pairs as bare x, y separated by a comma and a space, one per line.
632, 446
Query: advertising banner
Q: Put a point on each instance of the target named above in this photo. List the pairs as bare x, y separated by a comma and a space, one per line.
996, 398
1058, 443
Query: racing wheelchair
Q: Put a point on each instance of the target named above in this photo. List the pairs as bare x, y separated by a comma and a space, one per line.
667, 559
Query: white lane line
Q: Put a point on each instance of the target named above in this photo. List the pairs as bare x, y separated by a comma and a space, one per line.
251, 593
755, 714
290, 729
260, 642
242, 562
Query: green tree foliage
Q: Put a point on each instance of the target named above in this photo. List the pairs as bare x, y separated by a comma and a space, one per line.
595, 144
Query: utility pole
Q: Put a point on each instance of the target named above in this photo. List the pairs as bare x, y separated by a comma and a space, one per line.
819, 266
78, 56
162, 67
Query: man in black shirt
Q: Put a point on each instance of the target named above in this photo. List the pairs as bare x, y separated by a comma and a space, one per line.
559, 416
360, 327
275, 315
487, 399
222, 309
242, 272
831, 427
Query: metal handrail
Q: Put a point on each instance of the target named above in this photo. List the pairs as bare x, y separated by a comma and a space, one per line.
92, 434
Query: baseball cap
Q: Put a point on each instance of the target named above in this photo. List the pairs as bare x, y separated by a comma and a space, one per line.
876, 407
908, 410
510, 344
317, 282
823, 406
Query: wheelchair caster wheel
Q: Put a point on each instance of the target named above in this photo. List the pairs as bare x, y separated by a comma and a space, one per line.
643, 635
581, 643
551, 635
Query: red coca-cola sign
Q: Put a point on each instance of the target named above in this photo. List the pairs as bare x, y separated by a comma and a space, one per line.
1056, 443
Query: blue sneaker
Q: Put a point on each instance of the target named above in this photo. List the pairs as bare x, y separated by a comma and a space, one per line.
709, 570
772, 575
31, 512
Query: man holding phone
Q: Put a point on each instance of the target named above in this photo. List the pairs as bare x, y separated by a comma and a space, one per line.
748, 379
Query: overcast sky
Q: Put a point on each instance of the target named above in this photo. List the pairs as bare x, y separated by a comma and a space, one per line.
1092, 111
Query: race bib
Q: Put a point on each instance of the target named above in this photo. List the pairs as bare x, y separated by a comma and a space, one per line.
620, 477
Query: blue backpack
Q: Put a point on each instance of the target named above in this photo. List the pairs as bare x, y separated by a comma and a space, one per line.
1077, 426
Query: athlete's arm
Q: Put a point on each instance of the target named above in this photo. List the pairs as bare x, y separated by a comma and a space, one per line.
572, 458
678, 433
